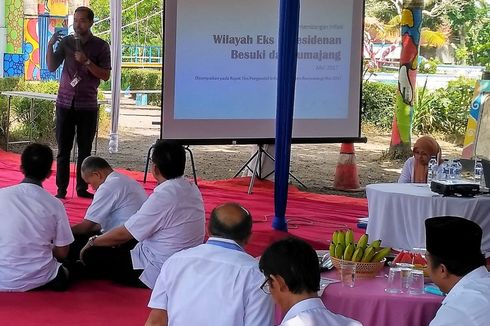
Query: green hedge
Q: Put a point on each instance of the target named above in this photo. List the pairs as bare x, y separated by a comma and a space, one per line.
140, 79
6, 84
378, 104
429, 66
444, 110
44, 112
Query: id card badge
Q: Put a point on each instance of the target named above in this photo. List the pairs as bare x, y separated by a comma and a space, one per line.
75, 81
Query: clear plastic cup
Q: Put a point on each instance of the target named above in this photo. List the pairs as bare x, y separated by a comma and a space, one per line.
416, 282
394, 280
348, 273
406, 269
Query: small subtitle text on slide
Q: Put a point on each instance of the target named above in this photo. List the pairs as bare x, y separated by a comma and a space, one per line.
324, 78
322, 27
233, 78
206, 78
264, 78
217, 78
327, 67
258, 78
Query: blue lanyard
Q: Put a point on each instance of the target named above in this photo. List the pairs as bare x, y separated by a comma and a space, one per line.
227, 245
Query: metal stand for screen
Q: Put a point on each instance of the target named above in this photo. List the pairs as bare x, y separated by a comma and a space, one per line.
191, 156
257, 169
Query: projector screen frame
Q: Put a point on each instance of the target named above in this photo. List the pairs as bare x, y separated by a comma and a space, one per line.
268, 140
264, 141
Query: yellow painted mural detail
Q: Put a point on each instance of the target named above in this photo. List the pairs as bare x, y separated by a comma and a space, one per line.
407, 18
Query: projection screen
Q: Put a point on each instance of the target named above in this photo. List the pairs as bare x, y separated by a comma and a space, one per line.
220, 70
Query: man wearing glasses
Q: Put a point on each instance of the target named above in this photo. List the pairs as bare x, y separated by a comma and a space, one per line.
216, 283
293, 279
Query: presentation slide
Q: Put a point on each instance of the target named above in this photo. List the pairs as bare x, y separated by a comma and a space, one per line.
220, 69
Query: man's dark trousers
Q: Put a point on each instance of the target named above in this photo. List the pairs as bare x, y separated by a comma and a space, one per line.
69, 120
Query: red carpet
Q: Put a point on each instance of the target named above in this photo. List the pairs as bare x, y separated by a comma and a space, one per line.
312, 217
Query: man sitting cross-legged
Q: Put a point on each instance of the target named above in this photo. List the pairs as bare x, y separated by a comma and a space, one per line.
216, 283
34, 228
117, 197
293, 279
170, 220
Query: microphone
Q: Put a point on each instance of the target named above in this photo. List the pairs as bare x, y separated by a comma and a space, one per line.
78, 44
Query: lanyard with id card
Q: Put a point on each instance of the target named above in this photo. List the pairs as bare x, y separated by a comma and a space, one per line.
76, 79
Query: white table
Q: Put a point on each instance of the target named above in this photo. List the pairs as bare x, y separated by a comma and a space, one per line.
32, 115
397, 212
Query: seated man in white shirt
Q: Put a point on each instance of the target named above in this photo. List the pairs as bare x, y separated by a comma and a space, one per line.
117, 197
216, 283
170, 220
293, 279
34, 232
457, 266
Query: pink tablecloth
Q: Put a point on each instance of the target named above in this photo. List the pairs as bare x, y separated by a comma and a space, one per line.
368, 303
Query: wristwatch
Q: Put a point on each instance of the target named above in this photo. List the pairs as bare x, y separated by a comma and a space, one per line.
86, 63
91, 240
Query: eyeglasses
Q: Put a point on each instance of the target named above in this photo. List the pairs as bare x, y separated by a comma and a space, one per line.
266, 286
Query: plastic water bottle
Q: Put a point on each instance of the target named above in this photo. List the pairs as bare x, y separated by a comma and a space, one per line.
458, 169
113, 143
478, 171
443, 171
451, 170
432, 170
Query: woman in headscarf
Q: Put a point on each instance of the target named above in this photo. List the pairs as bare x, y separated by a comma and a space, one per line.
416, 167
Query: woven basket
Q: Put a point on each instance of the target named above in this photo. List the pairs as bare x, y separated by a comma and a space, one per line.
363, 270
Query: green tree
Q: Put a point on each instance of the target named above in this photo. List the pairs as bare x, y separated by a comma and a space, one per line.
141, 21
471, 26
402, 122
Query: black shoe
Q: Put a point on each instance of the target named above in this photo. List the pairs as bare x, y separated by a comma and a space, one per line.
61, 195
85, 194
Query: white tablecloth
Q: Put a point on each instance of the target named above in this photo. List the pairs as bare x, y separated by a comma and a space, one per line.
397, 212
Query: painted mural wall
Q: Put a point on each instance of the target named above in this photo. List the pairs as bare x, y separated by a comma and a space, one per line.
29, 24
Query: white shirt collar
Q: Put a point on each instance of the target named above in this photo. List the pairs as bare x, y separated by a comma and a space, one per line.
111, 175
223, 240
301, 306
477, 273
168, 182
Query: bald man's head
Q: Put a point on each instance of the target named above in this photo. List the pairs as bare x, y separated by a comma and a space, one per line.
230, 221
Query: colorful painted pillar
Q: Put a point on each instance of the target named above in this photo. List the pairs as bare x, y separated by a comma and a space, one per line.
411, 24
3, 35
13, 58
480, 96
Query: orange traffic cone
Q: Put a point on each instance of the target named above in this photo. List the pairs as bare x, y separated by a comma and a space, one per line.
346, 175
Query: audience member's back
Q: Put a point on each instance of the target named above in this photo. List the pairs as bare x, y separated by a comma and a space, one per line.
33, 222
27, 222
212, 279
216, 283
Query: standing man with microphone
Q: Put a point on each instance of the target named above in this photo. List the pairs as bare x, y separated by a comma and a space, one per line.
87, 60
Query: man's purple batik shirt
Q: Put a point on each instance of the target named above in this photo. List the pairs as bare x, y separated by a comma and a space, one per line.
84, 95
